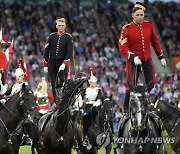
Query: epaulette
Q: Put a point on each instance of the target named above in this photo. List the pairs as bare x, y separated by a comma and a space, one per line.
53, 33
69, 34
125, 26
147, 21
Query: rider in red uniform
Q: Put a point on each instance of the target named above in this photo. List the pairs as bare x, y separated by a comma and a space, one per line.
134, 44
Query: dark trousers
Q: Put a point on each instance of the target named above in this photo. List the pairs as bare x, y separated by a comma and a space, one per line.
55, 76
149, 76
3, 78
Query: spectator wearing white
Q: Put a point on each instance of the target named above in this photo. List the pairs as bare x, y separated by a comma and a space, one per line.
168, 95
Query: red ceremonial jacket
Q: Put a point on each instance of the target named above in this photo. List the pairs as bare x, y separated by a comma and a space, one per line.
136, 39
3, 61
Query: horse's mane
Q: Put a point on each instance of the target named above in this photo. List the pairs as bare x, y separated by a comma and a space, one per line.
13, 98
139, 89
170, 107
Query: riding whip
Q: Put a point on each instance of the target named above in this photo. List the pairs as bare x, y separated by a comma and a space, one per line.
74, 62
135, 76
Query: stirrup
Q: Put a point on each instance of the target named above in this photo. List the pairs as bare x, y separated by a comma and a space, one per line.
86, 141
29, 141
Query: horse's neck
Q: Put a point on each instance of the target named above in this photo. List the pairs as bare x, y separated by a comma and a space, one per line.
62, 115
100, 120
169, 116
8, 119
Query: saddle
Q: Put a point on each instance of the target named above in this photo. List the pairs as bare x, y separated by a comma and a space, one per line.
44, 120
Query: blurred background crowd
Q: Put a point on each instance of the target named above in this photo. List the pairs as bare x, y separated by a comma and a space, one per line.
95, 31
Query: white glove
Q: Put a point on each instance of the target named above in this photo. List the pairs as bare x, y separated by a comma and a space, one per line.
62, 67
97, 103
0, 76
46, 69
163, 62
137, 61
3, 101
3, 89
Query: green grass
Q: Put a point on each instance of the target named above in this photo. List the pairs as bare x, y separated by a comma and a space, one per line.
27, 150
167, 146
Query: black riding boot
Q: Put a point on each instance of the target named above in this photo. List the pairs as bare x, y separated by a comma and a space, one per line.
87, 121
125, 115
126, 103
56, 97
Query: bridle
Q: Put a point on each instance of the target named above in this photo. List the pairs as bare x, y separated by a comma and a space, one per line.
105, 113
21, 119
135, 98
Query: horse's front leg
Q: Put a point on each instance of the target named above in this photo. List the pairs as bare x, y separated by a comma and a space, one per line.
108, 149
93, 150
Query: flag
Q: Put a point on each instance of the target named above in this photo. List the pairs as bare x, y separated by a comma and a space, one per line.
3, 61
9, 51
3, 38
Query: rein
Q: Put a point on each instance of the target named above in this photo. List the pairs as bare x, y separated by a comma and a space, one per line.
11, 111
14, 132
176, 121
106, 118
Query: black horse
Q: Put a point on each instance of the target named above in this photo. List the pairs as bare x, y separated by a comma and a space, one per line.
100, 131
18, 108
26, 134
57, 133
140, 131
170, 117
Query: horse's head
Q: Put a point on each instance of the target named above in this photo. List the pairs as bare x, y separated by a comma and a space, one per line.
163, 109
72, 86
25, 102
107, 106
138, 106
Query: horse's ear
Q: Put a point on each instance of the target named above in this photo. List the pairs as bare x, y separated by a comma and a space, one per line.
148, 86
129, 85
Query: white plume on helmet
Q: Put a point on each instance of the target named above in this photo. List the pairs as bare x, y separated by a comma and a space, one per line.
93, 79
19, 72
42, 86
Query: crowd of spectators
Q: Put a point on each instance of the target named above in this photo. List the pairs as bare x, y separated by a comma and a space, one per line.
96, 33
167, 19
